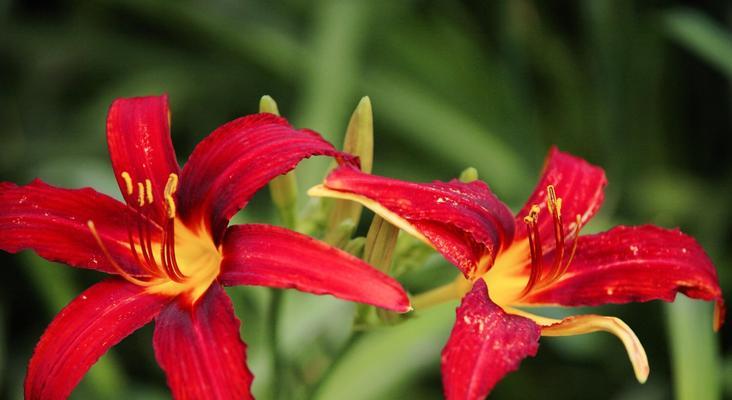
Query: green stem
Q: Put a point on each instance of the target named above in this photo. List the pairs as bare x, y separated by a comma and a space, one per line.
337, 359
438, 295
695, 360
275, 305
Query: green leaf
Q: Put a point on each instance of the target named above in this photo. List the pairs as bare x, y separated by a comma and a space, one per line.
701, 35
382, 360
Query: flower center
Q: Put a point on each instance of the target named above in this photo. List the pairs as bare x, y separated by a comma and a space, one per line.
506, 280
189, 270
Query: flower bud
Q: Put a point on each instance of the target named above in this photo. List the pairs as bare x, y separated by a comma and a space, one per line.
359, 141
283, 188
468, 175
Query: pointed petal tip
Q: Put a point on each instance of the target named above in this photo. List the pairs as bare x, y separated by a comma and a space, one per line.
581, 324
642, 376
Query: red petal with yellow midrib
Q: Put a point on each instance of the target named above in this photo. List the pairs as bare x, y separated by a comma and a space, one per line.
464, 221
486, 343
266, 255
83, 331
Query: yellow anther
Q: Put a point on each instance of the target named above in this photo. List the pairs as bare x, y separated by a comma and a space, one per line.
170, 206
533, 215
148, 191
172, 185
553, 203
140, 194
128, 182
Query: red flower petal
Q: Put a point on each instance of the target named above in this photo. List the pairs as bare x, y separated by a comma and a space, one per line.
238, 159
83, 331
628, 264
138, 135
53, 222
266, 255
200, 350
464, 221
486, 343
579, 184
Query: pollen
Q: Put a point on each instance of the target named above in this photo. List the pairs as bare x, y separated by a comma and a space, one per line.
148, 191
553, 203
140, 194
170, 187
128, 182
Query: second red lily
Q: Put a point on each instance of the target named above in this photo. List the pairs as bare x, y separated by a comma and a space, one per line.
536, 258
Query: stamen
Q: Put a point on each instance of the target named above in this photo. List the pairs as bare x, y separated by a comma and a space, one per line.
170, 206
554, 205
537, 278
170, 267
128, 182
170, 187
168, 251
534, 247
148, 191
171, 251
140, 194
577, 228
133, 250
143, 246
116, 266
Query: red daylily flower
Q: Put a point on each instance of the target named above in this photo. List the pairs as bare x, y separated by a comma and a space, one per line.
541, 262
170, 250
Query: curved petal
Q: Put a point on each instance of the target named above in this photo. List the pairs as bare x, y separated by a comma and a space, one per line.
486, 343
138, 136
53, 223
267, 255
238, 159
199, 348
628, 264
578, 183
581, 324
463, 221
83, 331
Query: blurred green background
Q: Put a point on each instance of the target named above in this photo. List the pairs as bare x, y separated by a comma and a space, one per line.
639, 87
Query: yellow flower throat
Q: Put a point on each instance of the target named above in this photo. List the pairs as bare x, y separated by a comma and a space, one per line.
174, 259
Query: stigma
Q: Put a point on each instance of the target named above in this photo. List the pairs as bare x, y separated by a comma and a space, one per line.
542, 275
